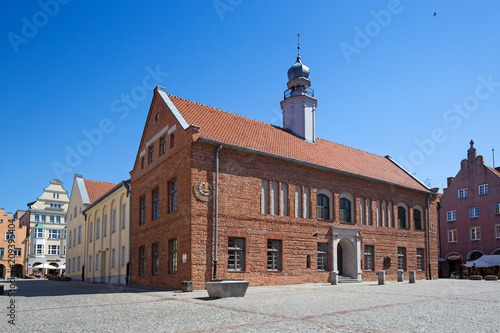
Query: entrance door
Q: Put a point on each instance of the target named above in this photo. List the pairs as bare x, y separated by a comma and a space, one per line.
339, 260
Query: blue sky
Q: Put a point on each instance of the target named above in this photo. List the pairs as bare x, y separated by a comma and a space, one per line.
390, 78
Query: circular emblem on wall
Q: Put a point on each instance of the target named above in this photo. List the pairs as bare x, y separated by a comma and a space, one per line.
205, 189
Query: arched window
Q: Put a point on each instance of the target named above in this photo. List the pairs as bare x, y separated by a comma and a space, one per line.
323, 207
402, 220
345, 210
418, 218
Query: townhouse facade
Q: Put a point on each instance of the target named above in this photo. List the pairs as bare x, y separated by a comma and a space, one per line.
469, 214
84, 192
47, 230
220, 196
12, 246
108, 242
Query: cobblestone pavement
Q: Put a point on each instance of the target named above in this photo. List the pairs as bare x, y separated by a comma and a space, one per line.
426, 306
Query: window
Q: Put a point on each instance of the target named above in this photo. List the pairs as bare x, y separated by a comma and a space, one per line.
402, 258
122, 257
54, 234
273, 255
98, 229
64, 234
274, 198
39, 249
69, 265
345, 210
402, 217
52, 218
307, 202
69, 239
91, 227
112, 257
76, 208
484, 189
265, 197
369, 263
378, 213
79, 234
37, 217
323, 207
451, 215
156, 203
474, 212
142, 210
124, 212
53, 249
38, 232
58, 219
113, 221
322, 256
97, 262
172, 196
90, 263
172, 140
284, 199
17, 252
2, 252
142, 162
172, 264
475, 233
236, 254
44, 218
163, 145
9, 235
298, 201
417, 219
497, 209
452, 236
151, 152
156, 259
463, 193
105, 225
78, 264
420, 259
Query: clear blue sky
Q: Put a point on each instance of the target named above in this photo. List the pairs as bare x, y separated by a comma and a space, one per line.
390, 78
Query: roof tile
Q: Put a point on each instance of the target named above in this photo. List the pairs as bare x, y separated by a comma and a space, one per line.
96, 189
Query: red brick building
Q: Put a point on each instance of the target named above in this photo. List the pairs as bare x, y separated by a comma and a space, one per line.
469, 214
289, 208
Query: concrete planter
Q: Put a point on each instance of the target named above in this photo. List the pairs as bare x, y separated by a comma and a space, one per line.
226, 288
491, 278
475, 277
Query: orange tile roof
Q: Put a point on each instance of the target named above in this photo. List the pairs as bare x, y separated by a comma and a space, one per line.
235, 130
495, 171
96, 189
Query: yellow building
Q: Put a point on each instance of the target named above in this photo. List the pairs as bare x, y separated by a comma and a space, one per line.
12, 246
47, 236
83, 193
108, 236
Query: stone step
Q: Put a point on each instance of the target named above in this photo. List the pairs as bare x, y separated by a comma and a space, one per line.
347, 279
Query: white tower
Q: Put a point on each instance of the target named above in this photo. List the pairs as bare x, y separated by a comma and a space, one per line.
299, 104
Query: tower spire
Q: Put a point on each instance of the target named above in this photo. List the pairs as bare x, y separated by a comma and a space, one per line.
298, 45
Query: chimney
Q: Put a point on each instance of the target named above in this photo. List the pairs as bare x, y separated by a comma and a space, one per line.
450, 180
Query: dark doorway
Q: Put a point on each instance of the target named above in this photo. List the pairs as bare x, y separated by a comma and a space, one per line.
2, 271
339, 260
17, 271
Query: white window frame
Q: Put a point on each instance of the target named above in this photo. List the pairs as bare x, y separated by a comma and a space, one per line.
329, 195
39, 232
451, 215
496, 209
454, 236
484, 189
463, 193
54, 234
475, 233
474, 212
53, 250
497, 231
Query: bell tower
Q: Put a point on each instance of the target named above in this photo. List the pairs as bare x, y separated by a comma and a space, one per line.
299, 104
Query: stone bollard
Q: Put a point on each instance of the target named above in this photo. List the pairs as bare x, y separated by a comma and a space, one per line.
412, 276
187, 286
381, 277
400, 276
335, 278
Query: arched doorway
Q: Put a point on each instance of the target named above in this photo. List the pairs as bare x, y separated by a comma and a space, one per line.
53, 269
496, 252
346, 252
473, 255
346, 258
339, 260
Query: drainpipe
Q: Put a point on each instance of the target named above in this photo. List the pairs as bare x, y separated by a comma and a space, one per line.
429, 238
216, 204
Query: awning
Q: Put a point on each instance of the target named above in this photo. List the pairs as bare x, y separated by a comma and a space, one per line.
485, 261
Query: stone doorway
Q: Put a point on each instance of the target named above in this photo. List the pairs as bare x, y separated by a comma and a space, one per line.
346, 252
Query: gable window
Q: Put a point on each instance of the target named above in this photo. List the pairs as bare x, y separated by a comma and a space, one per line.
451, 215
484, 189
156, 203
37, 217
151, 152
142, 210
417, 219
369, 263
475, 233
463, 193
273, 255
172, 195
172, 140
9, 235
236, 254
402, 258
323, 207
420, 259
474, 212
142, 260
322, 256
163, 145
142, 162
156, 259
172, 247
402, 217
452, 236
345, 210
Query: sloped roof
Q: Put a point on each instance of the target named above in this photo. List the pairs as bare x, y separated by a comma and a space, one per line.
96, 189
231, 129
495, 171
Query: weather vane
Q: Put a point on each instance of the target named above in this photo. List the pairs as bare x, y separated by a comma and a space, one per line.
298, 46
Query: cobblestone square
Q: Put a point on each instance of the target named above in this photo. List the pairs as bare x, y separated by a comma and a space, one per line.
426, 306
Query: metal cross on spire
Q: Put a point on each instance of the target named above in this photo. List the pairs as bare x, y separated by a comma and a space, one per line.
298, 46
